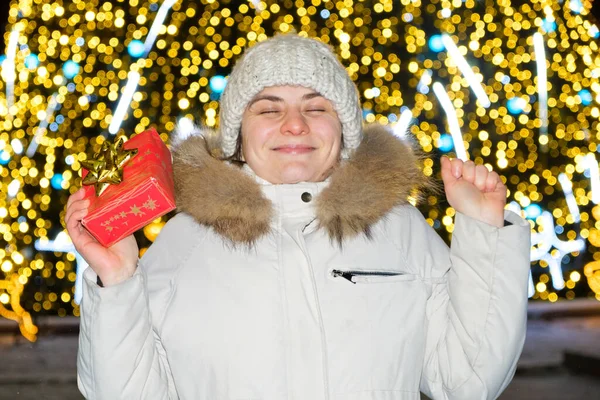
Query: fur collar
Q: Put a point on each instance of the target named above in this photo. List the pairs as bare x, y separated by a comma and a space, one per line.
380, 175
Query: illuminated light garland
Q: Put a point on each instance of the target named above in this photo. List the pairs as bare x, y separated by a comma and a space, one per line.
542, 244
14, 289
556, 272
592, 167
13, 188
130, 88
43, 126
402, 126
466, 70
542, 85
161, 15
567, 188
185, 127
257, 4
592, 273
62, 244
545, 241
382, 44
8, 69
134, 76
424, 82
453, 124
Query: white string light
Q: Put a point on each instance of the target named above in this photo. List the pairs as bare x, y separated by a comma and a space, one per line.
9, 74
466, 70
453, 125
123, 106
43, 126
62, 244
403, 124
542, 85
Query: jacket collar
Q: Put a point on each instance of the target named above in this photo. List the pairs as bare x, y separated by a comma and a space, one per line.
380, 175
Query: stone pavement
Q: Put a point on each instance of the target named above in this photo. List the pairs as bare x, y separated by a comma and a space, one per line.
561, 357
560, 361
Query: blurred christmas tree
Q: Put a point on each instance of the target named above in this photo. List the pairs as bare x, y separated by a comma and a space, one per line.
513, 85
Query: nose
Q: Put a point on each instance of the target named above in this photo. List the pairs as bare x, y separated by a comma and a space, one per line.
294, 124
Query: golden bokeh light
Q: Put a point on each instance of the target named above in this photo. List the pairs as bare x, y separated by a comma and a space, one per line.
72, 60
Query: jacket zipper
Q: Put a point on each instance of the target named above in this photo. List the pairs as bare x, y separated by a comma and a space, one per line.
348, 275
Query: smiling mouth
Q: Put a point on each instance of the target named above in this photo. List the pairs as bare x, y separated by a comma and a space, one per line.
294, 149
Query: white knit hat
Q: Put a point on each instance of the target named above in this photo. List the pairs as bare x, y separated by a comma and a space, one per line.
289, 60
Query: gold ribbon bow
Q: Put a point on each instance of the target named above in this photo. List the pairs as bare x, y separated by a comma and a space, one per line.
106, 167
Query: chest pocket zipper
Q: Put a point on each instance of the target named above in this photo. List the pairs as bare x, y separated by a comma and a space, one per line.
363, 276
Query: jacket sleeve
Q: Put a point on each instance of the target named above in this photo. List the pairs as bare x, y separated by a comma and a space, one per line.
121, 355
477, 310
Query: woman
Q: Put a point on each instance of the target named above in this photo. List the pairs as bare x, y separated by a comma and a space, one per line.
305, 274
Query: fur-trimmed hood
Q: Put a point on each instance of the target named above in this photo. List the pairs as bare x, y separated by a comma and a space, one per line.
380, 175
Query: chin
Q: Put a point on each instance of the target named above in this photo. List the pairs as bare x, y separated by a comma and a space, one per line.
295, 174
295, 178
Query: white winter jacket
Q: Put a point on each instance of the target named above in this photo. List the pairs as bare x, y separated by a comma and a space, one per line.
312, 291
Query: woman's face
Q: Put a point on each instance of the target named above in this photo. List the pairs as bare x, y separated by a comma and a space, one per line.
291, 134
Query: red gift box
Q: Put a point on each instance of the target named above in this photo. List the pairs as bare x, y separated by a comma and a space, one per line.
146, 192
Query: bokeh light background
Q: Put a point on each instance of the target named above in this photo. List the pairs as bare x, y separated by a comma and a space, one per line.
67, 63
